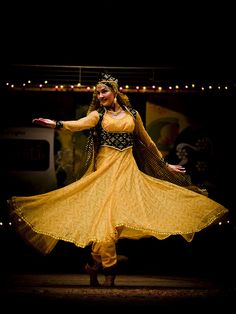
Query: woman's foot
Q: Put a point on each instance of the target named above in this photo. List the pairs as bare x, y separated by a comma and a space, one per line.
110, 275
93, 272
109, 281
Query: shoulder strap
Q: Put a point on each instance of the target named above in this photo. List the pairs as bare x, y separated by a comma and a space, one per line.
101, 111
132, 111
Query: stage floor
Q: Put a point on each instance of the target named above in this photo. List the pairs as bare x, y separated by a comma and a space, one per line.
167, 294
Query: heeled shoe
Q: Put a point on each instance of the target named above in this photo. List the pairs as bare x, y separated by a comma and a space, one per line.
109, 281
93, 272
110, 275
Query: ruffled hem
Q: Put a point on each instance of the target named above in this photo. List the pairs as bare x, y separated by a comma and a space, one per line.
44, 242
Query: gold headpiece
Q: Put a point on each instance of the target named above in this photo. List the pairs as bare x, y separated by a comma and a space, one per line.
108, 77
109, 81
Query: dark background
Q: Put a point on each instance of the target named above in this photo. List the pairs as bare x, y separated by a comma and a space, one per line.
198, 37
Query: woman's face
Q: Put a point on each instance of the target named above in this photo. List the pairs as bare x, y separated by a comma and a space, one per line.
105, 95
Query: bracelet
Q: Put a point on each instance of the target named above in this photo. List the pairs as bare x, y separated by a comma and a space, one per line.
59, 124
164, 162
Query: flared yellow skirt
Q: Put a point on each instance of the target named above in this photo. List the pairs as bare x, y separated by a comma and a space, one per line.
115, 201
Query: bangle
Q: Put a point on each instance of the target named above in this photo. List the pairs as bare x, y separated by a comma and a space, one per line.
59, 124
164, 162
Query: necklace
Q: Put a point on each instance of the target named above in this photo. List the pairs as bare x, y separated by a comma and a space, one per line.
115, 113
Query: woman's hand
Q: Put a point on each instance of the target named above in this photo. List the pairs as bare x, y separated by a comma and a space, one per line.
45, 122
176, 168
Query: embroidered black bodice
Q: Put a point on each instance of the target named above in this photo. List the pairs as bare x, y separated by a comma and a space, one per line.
118, 140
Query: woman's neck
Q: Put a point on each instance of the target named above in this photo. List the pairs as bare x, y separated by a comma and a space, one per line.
114, 107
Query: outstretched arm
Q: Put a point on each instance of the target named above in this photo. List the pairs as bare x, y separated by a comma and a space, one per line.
45, 122
73, 126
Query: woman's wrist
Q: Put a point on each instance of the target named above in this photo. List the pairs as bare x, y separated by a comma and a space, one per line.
59, 124
165, 162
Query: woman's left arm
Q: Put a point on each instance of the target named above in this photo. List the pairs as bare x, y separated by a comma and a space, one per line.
143, 135
145, 138
176, 168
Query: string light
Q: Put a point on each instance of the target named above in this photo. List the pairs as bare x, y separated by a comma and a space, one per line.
46, 86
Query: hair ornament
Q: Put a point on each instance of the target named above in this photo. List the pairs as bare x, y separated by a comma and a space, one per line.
108, 77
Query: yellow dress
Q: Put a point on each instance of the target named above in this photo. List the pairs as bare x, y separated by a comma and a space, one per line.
115, 200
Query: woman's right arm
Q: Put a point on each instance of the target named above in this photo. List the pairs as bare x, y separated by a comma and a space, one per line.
73, 126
